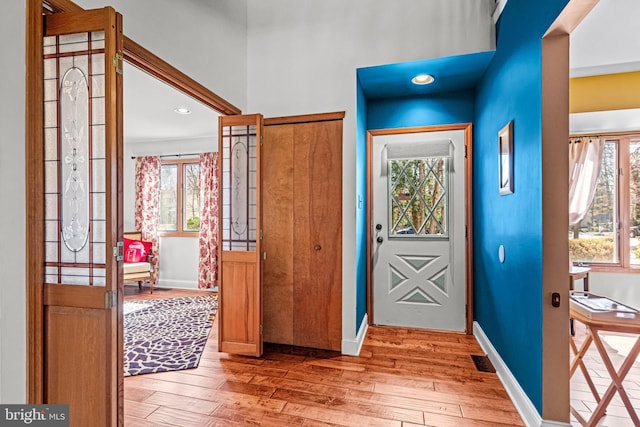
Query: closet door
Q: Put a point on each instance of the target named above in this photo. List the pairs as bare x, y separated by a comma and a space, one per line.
278, 232
317, 246
302, 187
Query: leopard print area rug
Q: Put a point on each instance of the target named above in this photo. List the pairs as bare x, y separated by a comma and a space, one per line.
166, 334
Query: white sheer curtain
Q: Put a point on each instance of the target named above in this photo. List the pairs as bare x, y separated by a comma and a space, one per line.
585, 159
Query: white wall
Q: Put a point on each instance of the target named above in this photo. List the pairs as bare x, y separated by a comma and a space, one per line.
12, 200
622, 287
178, 262
204, 39
303, 56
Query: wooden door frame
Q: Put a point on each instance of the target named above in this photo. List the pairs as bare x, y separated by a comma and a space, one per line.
468, 136
34, 171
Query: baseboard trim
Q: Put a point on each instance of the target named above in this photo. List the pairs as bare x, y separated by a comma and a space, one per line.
521, 401
353, 347
178, 284
546, 423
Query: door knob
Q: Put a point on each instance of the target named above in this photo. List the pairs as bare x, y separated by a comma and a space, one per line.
317, 247
379, 239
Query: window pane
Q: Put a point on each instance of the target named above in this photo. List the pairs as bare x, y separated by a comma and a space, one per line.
634, 201
418, 197
191, 197
168, 198
594, 239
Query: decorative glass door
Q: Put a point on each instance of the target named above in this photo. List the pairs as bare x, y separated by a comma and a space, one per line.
240, 275
418, 229
82, 63
74, 164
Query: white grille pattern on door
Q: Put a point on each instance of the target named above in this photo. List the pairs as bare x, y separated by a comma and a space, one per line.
416, 269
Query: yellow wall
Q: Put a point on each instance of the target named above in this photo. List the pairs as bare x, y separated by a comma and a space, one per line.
605, 92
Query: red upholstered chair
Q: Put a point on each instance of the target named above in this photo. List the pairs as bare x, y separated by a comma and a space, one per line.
140, 266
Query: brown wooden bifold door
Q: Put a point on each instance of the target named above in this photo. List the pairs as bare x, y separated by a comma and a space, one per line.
240, 219
82, 213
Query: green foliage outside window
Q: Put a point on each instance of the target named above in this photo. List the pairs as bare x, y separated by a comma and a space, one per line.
591, 250
193, 224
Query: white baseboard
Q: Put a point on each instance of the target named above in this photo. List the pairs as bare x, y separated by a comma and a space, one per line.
546, 423
177, 284
521, 401
353, 347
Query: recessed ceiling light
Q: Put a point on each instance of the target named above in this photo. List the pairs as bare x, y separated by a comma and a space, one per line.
182, 110
423, 79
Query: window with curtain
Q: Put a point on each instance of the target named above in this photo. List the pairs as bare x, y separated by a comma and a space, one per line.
179, 210
606, 235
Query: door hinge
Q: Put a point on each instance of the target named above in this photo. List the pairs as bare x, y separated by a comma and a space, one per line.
118, 251
116, 61
260, 330
465, 151
261, 235
261, 139
110, 299
466, 231
264, 255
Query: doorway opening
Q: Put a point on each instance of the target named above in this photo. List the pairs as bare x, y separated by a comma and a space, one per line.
419, 182
136, 55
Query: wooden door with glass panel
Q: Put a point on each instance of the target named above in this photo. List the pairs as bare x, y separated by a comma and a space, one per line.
240, 271
83, 213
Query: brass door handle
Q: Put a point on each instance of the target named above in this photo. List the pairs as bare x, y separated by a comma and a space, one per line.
317, 247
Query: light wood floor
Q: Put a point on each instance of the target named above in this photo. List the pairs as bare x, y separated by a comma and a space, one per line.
583, 400
402, 378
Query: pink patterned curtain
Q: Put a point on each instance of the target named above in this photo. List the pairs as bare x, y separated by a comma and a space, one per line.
208, 264
147, 203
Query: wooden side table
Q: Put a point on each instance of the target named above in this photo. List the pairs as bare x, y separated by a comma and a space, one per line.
577, 273
604, 315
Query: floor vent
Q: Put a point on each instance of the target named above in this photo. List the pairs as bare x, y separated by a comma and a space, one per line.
483, 364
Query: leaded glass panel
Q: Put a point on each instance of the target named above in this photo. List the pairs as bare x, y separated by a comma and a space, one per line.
419, 197
239, 187
74, 159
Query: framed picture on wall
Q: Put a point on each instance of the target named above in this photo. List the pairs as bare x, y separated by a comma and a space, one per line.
505, 159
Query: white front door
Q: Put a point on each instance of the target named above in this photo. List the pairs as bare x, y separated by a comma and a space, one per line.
418, 238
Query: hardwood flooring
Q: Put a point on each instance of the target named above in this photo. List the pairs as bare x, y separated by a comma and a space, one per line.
581, 397
402, 378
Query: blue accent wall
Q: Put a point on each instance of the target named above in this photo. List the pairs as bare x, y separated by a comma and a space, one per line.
457, 107
441, 109
508, 296
361, 206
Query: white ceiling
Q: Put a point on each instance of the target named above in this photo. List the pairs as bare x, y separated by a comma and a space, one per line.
149, 116
607, 41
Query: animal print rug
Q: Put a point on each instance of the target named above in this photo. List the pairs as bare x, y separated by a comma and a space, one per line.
166, 334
